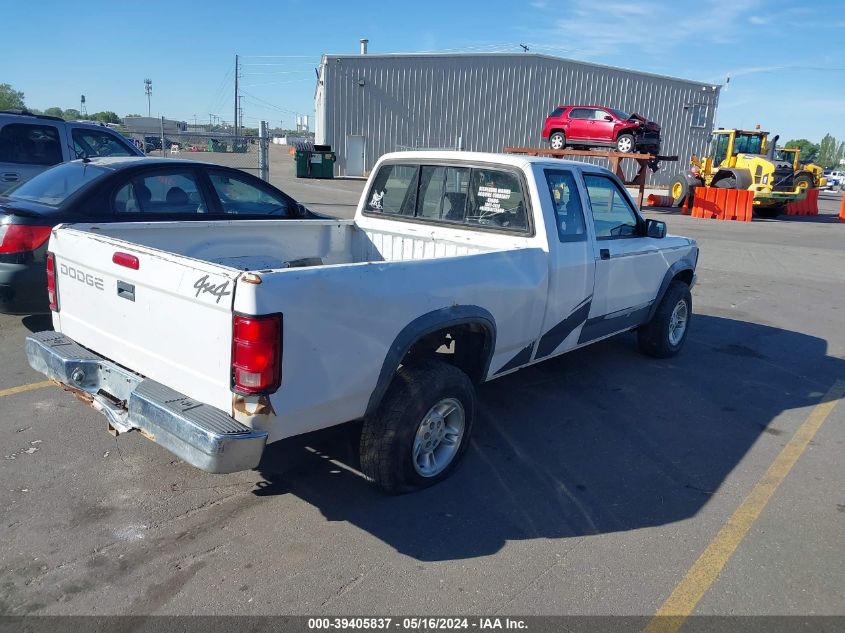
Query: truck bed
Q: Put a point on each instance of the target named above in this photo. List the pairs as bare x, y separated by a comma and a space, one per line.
264, 245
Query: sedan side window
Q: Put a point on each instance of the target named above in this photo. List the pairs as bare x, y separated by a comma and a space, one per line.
160, 193
613, 215
239, 196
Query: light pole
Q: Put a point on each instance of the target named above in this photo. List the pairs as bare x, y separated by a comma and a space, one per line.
148, 89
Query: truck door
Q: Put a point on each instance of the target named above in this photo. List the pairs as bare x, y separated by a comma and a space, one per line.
571, 261
629, 267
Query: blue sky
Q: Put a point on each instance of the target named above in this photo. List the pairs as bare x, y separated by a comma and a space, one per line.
786, 59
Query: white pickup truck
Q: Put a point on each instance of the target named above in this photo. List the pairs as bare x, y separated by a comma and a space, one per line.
215, 339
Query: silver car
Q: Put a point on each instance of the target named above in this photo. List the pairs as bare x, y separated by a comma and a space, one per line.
31, 143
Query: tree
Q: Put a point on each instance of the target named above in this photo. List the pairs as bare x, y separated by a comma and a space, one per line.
11, 99
105, 117
840, 153
71, 114
809, 151
54, 111
827, 152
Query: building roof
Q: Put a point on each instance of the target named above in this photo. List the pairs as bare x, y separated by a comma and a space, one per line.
538, 56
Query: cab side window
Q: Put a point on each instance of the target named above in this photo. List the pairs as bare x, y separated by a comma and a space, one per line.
569, 213
613, 215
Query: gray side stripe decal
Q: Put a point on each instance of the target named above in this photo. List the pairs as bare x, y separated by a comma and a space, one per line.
521, 358
602, 326
557, 334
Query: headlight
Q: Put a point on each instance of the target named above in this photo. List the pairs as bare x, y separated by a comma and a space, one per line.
766, 179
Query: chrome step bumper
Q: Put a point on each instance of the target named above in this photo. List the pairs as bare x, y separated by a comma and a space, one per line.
197, 433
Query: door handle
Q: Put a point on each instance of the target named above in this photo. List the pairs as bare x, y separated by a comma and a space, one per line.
604, 253
11, 177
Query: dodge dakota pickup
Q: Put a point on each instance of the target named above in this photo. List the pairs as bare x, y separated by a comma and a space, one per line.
215, 338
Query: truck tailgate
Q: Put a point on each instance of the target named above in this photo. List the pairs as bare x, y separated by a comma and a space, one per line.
169, 319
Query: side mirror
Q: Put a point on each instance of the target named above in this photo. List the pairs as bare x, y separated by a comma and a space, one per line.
607, 117
655, 228
300, 210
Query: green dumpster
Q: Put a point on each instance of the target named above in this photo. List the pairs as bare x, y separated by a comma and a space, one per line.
302, 157
322, 162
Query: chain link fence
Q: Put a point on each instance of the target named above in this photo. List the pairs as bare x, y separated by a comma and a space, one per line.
247, 153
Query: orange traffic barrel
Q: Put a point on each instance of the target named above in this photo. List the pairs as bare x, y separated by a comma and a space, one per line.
842, 210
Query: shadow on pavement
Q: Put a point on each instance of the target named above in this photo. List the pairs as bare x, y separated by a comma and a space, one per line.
38, 322
599, 440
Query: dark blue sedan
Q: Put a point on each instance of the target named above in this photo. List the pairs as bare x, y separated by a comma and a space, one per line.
126, 189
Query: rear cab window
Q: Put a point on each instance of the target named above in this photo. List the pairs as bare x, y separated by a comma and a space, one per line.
460, 195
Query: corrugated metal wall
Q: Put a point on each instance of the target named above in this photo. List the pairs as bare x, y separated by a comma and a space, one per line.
488, 101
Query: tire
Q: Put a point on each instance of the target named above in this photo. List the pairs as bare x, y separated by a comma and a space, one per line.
419, 392
769, 213
660, 337
679, 190
557, 140
625, 144
805, 181
725, 183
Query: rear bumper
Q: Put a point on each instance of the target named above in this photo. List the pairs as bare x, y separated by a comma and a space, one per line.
23, 288
197, 433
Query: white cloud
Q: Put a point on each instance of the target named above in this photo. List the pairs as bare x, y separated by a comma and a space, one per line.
650, 27
759, 20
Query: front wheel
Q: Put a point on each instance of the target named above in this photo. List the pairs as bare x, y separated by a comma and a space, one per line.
421, 430
625, 144
769, 212
664, 335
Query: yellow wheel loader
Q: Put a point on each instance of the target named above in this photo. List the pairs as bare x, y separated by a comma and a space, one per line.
742, 159
807, 175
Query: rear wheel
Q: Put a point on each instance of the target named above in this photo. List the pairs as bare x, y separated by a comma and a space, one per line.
557, 140
625, 144
421, 430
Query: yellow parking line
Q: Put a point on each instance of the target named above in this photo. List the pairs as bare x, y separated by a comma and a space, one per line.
30, 387
670, 617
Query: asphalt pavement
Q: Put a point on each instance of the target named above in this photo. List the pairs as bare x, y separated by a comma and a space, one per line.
593, 484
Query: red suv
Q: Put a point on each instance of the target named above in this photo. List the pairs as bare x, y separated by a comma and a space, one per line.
597, 126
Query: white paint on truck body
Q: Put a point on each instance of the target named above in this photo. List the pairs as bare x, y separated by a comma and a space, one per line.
341, 318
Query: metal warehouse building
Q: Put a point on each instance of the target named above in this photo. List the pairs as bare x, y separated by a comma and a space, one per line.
368, 105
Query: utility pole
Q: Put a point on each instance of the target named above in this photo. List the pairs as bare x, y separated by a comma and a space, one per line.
235, 121
241, 112
148, 88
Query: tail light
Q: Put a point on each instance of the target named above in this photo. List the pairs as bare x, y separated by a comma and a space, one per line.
256, 353
18, 238
52, 292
